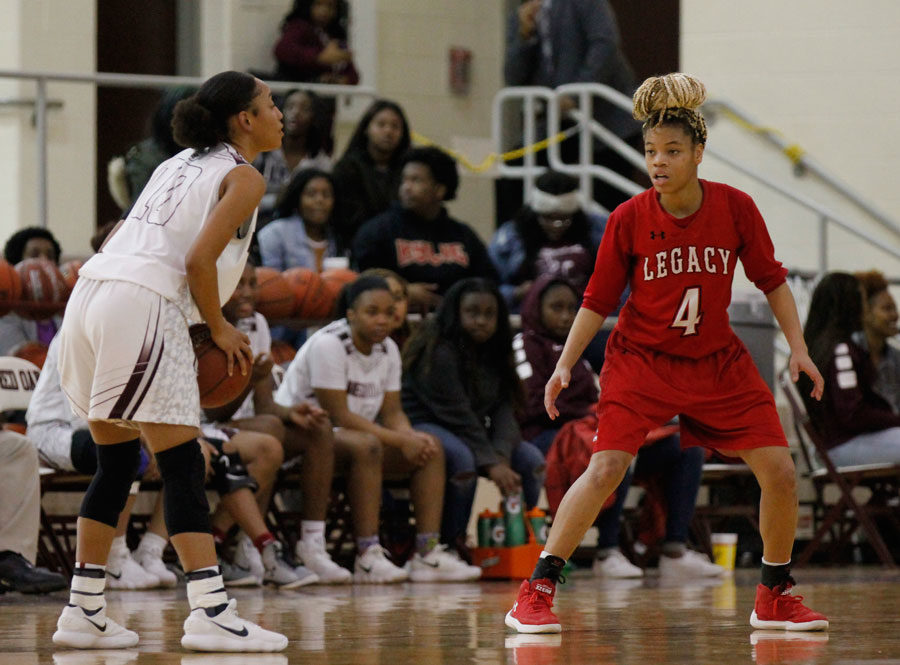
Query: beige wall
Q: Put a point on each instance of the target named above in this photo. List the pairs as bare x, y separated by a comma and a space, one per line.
826, 75
47, 35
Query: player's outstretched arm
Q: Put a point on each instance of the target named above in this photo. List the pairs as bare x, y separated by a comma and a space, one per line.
586, 325
781, 300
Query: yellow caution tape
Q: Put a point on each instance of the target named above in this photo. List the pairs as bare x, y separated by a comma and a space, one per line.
793, 152
493, 157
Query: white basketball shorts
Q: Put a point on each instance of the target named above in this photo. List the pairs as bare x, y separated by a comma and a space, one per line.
125, 355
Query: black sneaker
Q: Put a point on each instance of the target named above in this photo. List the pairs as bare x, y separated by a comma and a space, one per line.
17, 574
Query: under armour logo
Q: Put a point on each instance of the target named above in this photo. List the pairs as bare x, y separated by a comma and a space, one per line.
653, 234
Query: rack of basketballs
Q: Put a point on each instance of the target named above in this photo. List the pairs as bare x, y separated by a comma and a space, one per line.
38, 289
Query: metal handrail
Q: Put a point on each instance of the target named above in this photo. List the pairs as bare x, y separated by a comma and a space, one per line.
112, 80
585, 93
803, 163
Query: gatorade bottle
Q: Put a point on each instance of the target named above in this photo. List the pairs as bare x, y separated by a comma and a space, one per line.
498, 530
485, 524
514, 520
538, 520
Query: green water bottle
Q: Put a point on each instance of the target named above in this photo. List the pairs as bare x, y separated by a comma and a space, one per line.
514, 520
539, 527
485, 526
498, 530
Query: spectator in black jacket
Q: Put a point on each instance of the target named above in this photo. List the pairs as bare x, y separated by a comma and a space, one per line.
417, 239
460, 384
367, 176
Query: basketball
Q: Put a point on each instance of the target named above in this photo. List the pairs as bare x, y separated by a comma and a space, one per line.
69, 271
274, 296
334, 279
216, 387
33, 352
44, 290
310, 297
10, 287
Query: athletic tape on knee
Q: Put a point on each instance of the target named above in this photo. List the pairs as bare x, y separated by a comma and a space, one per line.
117, 467
183, 471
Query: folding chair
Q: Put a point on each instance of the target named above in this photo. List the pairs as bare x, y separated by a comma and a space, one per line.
842, 518
732, 493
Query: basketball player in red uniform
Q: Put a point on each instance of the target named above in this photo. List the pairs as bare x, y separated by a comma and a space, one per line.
673, 353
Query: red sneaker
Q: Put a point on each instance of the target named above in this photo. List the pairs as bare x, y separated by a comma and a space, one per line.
531, 612
777, 609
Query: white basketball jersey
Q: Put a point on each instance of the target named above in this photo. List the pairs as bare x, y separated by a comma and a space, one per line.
150, 247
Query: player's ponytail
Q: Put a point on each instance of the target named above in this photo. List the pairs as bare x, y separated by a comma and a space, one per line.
672, 99
201, 121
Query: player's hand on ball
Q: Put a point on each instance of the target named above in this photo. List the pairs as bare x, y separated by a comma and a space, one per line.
557, 382
236, 346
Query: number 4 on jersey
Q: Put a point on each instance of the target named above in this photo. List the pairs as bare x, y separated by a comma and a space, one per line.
688, 315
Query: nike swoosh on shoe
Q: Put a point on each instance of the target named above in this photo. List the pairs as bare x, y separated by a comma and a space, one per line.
366, 570
113, 575
240, 633
96, 625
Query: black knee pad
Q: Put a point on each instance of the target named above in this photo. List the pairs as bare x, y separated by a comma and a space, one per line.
183, 473
117, 467
230, 474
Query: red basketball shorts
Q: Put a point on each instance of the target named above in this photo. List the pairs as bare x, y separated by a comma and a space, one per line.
721, 400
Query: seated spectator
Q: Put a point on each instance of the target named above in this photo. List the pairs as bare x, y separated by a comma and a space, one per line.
302, 429
129, 175
548, 312
417, 239
301, 235
20, 506
367, 175
857, 424
551, 235
313, 44
400, 328
15, 331
306, 144
460, 384
879, 326
352, 370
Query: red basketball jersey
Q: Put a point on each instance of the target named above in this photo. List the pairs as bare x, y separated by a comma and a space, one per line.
681, 270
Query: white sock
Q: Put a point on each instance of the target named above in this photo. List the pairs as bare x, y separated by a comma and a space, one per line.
88, 583
312, 531
153, 543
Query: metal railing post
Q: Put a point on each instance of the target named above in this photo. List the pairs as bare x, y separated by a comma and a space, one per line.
40, 122
823, 244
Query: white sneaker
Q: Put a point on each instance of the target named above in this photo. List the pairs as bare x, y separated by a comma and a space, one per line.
373, 567
314, 557
247, 556
616, 566
690, 565
441, 565
81, 629
152, 562
123, 572
234, 575
282, 574
226, 631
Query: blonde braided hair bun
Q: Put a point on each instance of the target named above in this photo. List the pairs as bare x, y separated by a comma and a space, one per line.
674, 98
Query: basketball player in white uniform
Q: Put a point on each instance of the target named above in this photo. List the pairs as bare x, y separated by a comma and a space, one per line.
126, 362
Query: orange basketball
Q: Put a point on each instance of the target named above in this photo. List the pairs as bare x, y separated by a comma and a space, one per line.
274, 296
69, 271
334, 279
10, 287
44, 290
216, 387
310, 297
